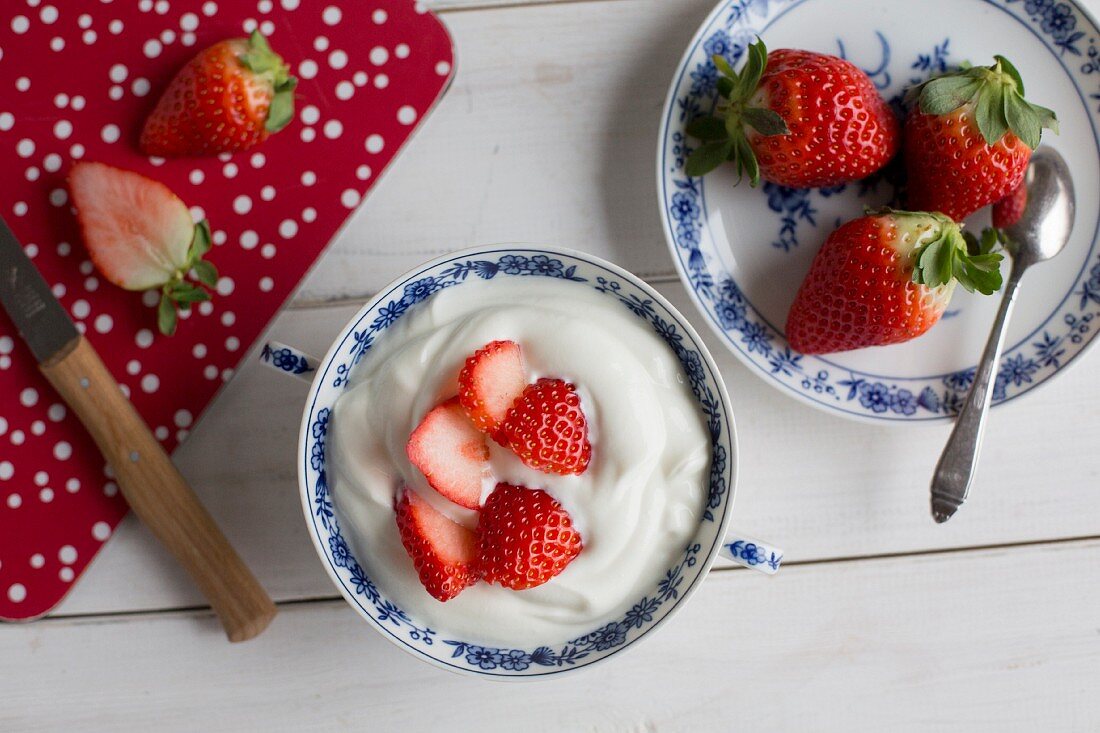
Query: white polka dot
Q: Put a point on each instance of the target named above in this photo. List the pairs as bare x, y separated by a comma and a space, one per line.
77, 103
181, 435
442, 68
48, 14
307, 69
290, 4
309, 178
229, 170
161, 7
117, 73
32, 174
206, 308
267, 193
57, 43
67, 554
406, 115
308, 134
267, 251
331, 15
20, 208
6, 344
257, 160
210, 371
152, 48
110, 488
333, 129
161, 433
104, 323
144, 338
61, 101
338, 59
249, 25
81, 309
17, 592
89, 37
401, 50
198, 351
189, 21
84, 21
7, 121
196, 176
3, 425
150, 383
381, 81
62, 129
320, 43
266, 285
140, 87
379, 55
115, 26
350, 198
59, 197
378, 16
310, 115
41, 478
375, 143
188, 39
37, 560
167, 36
45, 495
225, 286
77, 151
209, 8
25, 148
133, 367
22, 84
288, 228
38, 427
29, 397
265, 6
52, 163
249, 239
101, 531
110, 133
58, 289
57, 412
182, 418
145, 6
309, 215
15, 501
242, 204
17, 437
359, 78
7, 470
62, 450
20, 24
72, 485
345, 90
150, 298
66, 574
115, 93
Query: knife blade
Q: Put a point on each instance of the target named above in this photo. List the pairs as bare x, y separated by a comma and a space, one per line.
40, 318
152, 485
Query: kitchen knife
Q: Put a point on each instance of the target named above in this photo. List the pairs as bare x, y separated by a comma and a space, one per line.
153, 487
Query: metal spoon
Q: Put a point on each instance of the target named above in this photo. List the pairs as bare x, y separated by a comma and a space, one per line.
1040, 234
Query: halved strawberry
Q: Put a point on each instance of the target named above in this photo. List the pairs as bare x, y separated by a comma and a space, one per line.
546, 427
451, 453
525, 537
444, 552
140, 236
490, 382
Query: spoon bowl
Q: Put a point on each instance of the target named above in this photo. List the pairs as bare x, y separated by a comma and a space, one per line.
1044, 228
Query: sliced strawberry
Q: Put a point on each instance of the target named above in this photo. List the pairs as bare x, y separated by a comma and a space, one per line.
140, 236
444, 552
490, 382
525, 537
546, 427
451, 453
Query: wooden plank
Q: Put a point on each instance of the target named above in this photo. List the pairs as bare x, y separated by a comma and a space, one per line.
547, 135
977, 641
817, 485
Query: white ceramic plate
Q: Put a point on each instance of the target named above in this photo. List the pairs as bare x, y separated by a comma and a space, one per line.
742, 252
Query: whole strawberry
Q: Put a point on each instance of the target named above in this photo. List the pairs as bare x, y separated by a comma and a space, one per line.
1008, 210
796, 118
525, 537
546, 427
969, 139
230, 97
885, 278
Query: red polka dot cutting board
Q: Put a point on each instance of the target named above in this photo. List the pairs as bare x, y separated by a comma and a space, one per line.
76, 80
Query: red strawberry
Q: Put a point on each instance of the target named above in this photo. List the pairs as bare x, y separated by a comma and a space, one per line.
969, 141
795, 118
230, 97
882, 279
1008, 210
444, 552
547, 429
140, 236
525, 537
451, 453
490, 382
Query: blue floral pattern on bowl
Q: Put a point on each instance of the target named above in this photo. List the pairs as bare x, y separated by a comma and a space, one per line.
1066, 32
610, 636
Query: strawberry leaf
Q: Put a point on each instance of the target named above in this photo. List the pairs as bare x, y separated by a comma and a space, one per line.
707, 128
990, 113
206, 273
725, 87
753, 71
166, 316
724, 66
765, 121
201, 243
707, 157
946, 94
1022, 119
746, 161
1009, 69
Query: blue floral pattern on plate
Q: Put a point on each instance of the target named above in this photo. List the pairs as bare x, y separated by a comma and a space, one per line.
643, 615
1068, 34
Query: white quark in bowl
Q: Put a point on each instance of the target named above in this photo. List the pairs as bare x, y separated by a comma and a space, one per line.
637, 506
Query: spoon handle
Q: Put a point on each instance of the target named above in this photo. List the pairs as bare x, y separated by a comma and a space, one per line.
955, 471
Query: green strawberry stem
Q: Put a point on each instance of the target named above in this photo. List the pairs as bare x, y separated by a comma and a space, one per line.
723, 134
178, 293
268, 65
996, 94
951, 255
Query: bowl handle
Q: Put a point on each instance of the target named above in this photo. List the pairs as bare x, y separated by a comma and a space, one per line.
288, 360
752, 553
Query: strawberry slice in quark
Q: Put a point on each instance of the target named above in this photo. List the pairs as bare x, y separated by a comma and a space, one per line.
547, 429
443, 551
451, 453
491, 380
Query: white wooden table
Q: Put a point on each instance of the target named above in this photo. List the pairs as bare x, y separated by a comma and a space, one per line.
880, 620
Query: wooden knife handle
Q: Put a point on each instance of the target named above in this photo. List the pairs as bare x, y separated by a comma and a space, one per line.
158, 493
